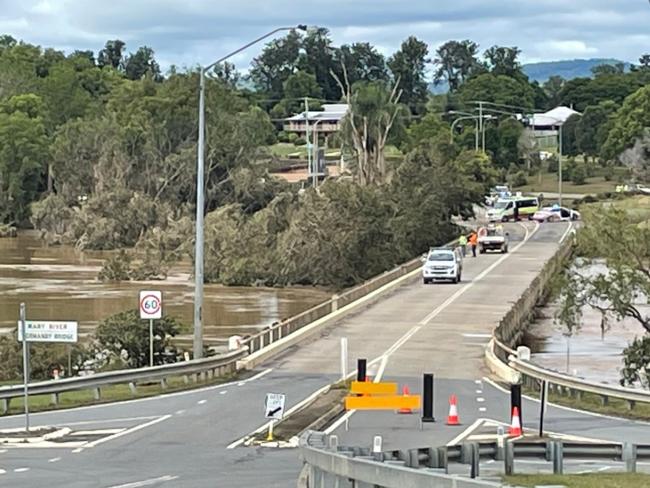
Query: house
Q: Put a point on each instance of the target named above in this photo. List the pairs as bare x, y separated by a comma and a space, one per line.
545, 125
326, 121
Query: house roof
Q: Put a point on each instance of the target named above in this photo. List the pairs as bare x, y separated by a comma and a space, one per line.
556, 116
332, 111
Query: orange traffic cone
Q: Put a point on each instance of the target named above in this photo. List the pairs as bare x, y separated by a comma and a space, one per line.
405, 392
515, 426
452, 418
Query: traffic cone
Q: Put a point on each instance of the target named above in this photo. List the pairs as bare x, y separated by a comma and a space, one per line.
452, 418
515, 427
405, 392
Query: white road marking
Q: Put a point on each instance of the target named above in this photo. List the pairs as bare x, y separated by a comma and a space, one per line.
2, 471
599, 470
478, 336
479, 392
2, 451
77, 450
21, 470
566, 232
180, 412
482, 409
127, 431
146, 399
201, 402
241, 383
97, 432
105, 421
480, 399
54, 460
478, 382
466, 432
149, 482
223, 392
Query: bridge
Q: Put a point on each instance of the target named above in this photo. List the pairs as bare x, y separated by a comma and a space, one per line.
195, 438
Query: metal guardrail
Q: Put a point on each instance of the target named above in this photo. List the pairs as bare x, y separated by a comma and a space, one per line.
198, 369
331, 466
532, 374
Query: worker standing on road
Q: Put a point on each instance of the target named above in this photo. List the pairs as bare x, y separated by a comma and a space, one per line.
462, 242
473, 242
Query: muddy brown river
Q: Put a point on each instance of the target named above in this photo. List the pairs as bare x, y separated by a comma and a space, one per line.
59, 283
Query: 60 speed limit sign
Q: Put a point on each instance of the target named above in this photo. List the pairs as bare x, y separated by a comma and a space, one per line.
150, 304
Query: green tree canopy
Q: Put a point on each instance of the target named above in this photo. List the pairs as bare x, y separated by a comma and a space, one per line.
500, 89
408, 66
455, 62
629, 123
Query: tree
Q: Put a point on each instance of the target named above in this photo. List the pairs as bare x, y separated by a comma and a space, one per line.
629, 123
142, 63
428, 129
509, 132
569, 141
617, 290
125, 336
579, 93
503, 61
23, 153
644, 61
279, 60
553, 89
299, 86
317, 57
372, 110
407, 66
455, 62
361, 61
593, 126
499, 89
111, 55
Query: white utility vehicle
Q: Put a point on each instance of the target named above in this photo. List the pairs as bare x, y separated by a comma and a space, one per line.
442, 263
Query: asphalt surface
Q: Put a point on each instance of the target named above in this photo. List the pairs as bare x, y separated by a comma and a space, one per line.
182, 439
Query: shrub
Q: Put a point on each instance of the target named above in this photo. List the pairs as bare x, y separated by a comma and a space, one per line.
283, 136
519, 179
291, 137
579, 174
553, 164
300, 141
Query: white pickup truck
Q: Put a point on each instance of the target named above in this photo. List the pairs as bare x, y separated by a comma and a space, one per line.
492, 238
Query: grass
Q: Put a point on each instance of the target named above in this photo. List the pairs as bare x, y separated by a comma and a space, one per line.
594, 185
284, 149
593, 403
112, 393
599, 480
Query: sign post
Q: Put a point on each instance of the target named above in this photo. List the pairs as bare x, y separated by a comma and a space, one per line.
40, 331
150, 308
274, 410
23, 330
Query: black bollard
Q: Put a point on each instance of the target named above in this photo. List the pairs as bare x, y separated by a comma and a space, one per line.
361, 370
427, 400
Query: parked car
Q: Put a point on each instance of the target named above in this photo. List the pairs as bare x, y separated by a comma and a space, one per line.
443, 263
556, 214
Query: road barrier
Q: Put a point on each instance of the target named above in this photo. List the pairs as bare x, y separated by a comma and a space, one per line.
195, 370
551, 450
334, 466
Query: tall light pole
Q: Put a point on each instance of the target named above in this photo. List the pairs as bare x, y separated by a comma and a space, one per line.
197, 345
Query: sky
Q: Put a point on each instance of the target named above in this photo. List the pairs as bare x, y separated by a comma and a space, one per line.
190, 32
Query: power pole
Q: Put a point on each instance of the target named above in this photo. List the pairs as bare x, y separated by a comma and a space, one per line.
481, 125
559, 169
309, 158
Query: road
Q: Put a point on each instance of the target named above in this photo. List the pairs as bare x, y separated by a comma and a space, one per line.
182, 439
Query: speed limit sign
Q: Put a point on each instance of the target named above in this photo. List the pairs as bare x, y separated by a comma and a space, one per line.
150, 304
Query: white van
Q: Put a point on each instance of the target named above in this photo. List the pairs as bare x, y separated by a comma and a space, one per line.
504, 209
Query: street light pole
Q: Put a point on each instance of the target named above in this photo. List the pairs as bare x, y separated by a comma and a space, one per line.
197, 344
559, 169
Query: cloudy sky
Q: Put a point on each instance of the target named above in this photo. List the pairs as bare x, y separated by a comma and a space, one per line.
188, 32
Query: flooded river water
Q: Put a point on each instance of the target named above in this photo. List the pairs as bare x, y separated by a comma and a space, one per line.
59, 283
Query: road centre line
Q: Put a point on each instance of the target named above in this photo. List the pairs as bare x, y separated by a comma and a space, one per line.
149, 482
54, 460
566, 232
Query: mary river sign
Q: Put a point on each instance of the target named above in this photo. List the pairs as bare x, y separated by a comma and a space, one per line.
48, 331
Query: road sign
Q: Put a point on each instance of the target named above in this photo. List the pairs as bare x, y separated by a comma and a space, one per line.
274, 406
48, 331
150, 304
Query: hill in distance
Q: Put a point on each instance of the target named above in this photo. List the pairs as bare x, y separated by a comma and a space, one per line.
567, 69
542, 71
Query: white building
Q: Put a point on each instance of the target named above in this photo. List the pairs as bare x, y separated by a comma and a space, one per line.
326, 121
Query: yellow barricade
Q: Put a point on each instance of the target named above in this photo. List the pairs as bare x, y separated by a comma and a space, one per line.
387, 402
368, 388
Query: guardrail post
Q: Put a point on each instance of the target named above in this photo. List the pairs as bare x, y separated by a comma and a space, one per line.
4, 405
186, 379
629, 457
133, 388
631, 404
97, 394
54, 399
509, 459
335, 302
163, 384
604, 400
558, 457
499, 455
474, 460
466, 453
